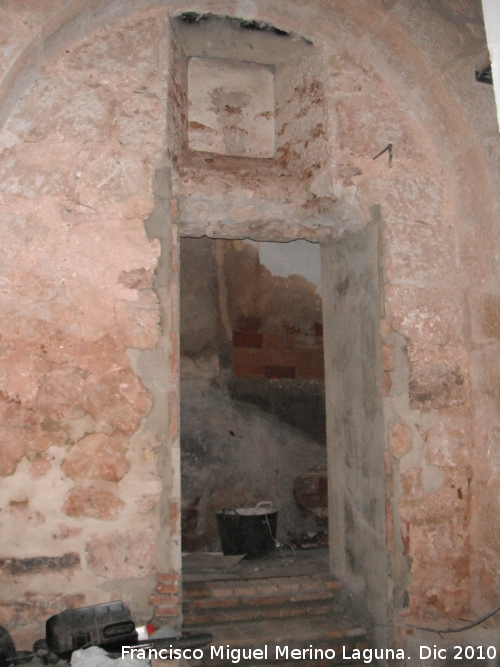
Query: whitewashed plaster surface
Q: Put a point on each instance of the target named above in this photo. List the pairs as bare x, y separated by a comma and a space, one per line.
231, 108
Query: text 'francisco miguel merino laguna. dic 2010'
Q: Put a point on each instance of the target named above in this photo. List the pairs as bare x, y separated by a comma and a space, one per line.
235, 655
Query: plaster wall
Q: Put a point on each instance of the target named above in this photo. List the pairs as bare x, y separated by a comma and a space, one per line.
79, 153
231, 108
355, 421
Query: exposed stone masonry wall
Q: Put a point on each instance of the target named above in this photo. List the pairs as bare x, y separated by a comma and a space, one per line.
423, 286
80, 489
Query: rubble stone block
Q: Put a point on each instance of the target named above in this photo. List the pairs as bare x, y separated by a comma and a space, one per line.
140, 123
449, 505
139, 279
113, 181
440, 578
439, 377
88, 501
400, 439
66, 532
12, 451
148, 503
445, 36
60, 393
97, 456
367, 126
20, 374
118, 399
39, 169
113, 244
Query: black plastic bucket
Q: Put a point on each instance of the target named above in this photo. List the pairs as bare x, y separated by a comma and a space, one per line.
249, 531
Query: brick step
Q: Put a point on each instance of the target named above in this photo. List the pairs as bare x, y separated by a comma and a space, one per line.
242, 611
293, 588
333, 631
247, 600
255, 599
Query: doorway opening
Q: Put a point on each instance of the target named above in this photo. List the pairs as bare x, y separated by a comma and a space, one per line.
251, 148
252, 389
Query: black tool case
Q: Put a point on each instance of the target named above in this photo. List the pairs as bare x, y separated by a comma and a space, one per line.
108, 625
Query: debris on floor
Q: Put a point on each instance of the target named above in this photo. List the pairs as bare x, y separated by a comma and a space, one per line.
318, 540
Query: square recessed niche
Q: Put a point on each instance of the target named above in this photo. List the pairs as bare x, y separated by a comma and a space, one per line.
231, 108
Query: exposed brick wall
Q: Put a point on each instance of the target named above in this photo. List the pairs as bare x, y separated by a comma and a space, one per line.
291, 353
166, 600
277, 329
